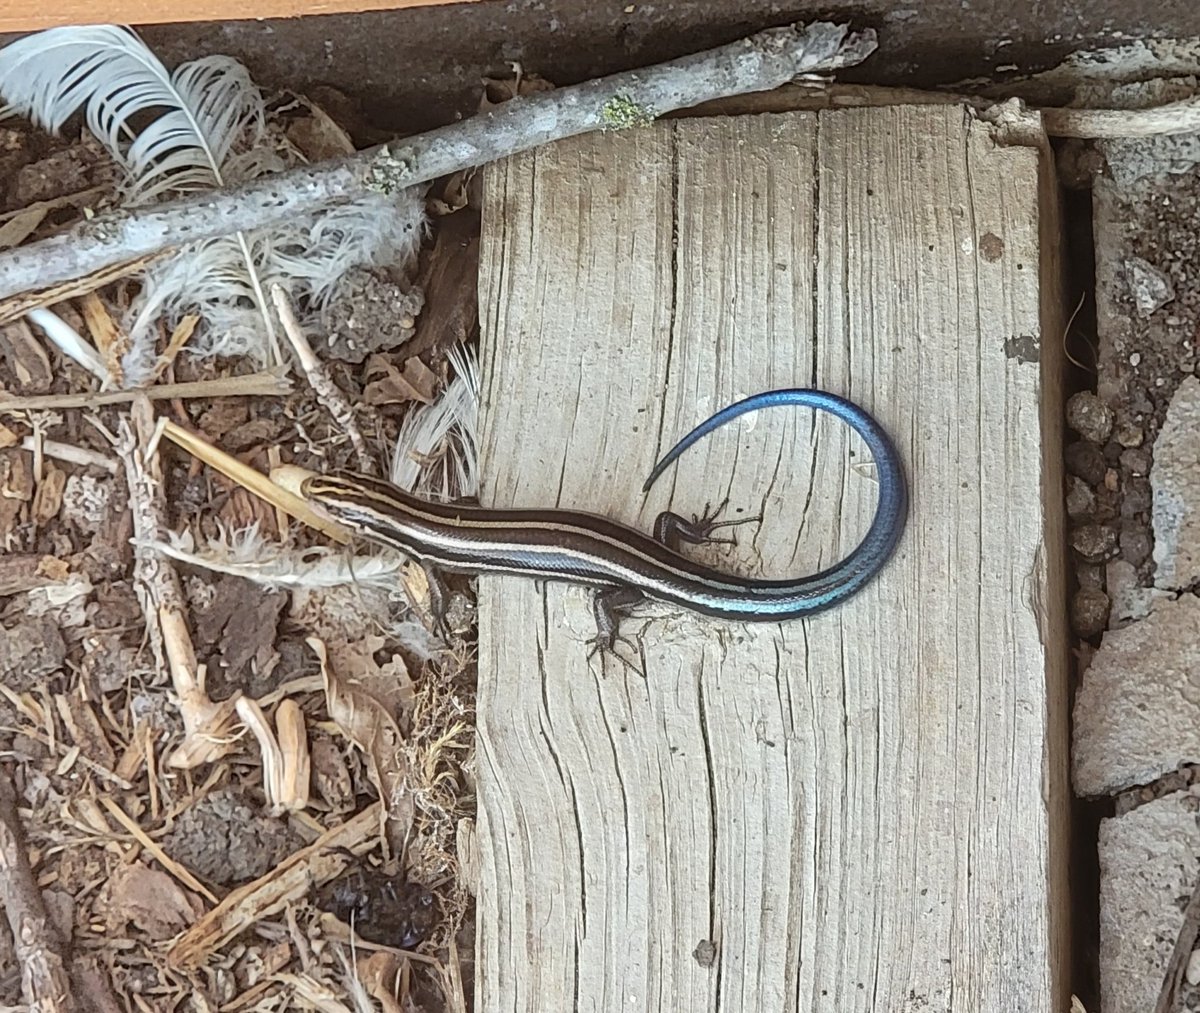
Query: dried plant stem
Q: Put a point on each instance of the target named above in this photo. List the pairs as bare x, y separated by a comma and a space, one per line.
71, 454
760, 62
269, 383
206, 725
277, 495
328, 392
45, 979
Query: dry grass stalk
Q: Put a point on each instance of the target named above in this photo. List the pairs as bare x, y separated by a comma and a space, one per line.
45, 979
276, 494
179, 337
268, 383
146, 841
288, 882
328, 392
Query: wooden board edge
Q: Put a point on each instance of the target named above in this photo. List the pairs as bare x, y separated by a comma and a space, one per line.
27, 16
1056, 633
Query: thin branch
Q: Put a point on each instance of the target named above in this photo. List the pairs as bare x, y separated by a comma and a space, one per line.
328, 392
1185, 942
45, 979
1182, 117
760, 62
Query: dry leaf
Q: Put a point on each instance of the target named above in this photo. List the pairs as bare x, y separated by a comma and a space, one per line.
355, 662
365, 721
151, 900
317, 134
380, 972
330, 775
8, 438
417, 382
26, 357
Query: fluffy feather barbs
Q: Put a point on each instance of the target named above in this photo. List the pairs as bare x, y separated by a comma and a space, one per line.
200, 127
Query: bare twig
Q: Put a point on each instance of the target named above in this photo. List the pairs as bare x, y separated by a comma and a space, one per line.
1185, 942
328, 392
205, 723
760, 62
45, 979
76, 285
1182, 117
268, 383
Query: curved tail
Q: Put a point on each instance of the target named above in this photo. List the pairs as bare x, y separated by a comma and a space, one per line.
891, 512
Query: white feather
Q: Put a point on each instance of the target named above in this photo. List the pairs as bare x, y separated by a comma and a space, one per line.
447, 431
69, 341
201, 127
197, 114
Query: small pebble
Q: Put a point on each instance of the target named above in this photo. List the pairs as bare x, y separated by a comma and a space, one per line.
1193, 968
1090, 417
1086, 460
1135, 359
1089, 612
1129, 435
1136, 460
1081, 501
1094, 542
1135, 543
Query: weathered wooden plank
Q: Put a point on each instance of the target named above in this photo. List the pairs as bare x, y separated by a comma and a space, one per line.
853, 812
26, 15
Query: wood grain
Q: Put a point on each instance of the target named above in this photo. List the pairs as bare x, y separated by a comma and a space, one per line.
853, 812
27, 15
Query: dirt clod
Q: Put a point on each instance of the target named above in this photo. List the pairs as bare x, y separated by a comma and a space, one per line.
226, 840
